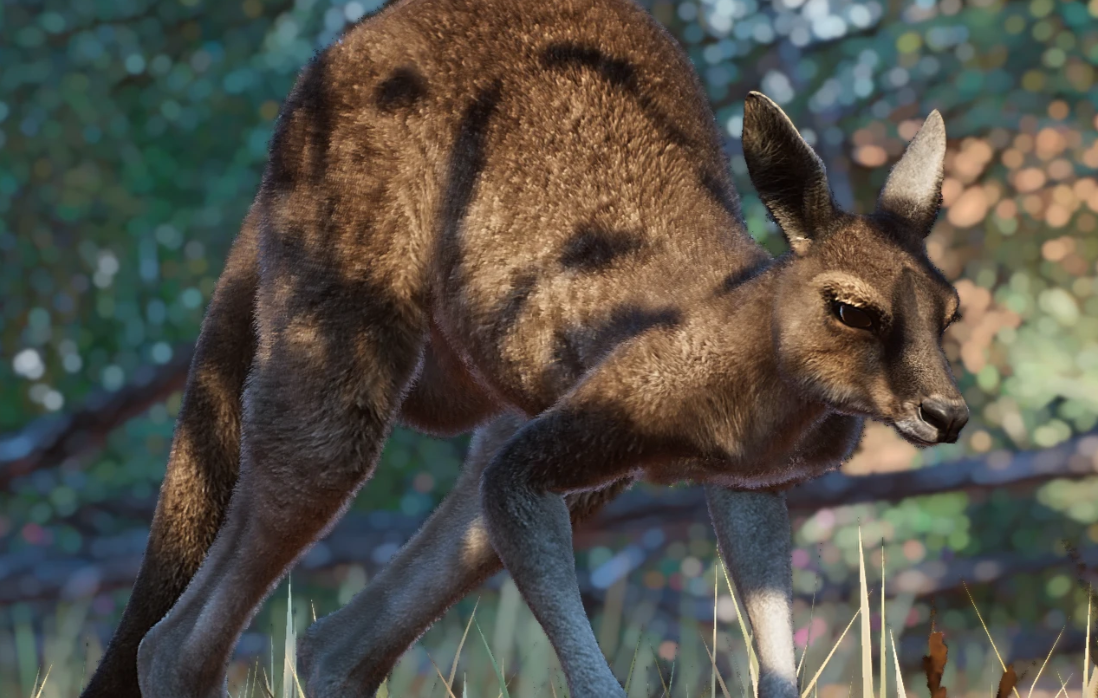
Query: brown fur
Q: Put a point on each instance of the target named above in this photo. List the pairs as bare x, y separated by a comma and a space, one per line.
518, 215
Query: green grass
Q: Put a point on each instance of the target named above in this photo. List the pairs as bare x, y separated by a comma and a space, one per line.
46, 662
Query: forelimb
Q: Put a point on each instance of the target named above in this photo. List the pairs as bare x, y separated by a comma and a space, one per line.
754, 536
350, 652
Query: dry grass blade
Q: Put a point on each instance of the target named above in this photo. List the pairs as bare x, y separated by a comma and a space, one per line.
988, 633
244, 688
1092, 687
867, 639
300, 691
1043, 665
660, 673
44, 679
808, 639
253, 679
1063, 684
934, 665
445, 685
716, 674
812, 683
736, 674
457, 655
884, 650
901, 692
289, 650
632, 666
267, 686
752, 660
495, 666
1086, 649
713, 654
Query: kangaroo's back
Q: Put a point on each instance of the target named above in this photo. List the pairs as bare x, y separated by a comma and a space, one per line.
552, 168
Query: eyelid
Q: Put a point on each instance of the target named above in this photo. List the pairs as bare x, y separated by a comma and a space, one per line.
861, 305
875, 320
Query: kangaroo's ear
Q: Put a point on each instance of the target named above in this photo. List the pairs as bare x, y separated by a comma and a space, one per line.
914, 187
788, 175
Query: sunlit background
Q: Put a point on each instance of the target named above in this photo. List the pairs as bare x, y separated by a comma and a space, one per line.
132, 138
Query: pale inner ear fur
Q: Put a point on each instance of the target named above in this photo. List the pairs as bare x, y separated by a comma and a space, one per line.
914, 187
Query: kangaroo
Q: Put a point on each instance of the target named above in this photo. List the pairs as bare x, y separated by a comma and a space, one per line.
517, 218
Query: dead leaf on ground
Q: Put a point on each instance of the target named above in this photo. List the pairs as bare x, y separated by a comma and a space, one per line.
1007, 682
934, 665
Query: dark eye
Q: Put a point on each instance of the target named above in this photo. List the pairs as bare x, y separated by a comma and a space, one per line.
852, 317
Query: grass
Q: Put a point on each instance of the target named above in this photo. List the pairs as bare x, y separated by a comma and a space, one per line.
692, 670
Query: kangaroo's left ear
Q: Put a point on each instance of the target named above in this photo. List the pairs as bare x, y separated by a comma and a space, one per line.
788, 175
914, 187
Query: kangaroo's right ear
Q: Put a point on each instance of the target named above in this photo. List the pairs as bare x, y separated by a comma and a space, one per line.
788, 175
914, 187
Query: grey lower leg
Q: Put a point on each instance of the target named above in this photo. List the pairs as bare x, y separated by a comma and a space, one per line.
754, 537
350, 652
529, 527
534, 538
187, 653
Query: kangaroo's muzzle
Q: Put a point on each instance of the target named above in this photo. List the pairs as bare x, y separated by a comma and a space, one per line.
947, 416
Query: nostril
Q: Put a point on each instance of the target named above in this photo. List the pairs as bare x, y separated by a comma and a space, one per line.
936, 414
960, 416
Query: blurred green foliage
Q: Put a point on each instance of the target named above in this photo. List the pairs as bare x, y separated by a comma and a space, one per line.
133, 134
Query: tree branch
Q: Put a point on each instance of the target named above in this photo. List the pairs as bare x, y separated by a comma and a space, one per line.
49, 441
1073, 459
371, 539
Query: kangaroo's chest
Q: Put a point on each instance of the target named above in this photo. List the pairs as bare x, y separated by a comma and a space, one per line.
785, 460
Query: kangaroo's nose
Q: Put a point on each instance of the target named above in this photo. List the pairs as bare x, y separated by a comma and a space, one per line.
947, 416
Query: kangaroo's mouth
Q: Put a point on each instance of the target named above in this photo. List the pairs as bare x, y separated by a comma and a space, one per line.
917, 431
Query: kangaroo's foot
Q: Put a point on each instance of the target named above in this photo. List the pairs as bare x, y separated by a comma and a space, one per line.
163, 670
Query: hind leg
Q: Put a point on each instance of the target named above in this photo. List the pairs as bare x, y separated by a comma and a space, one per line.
205, 449
333, 360
350, 652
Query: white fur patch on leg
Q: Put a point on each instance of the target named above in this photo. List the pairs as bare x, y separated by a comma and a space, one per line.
475, 544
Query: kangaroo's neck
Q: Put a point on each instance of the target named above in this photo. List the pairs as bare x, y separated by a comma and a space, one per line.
756, 409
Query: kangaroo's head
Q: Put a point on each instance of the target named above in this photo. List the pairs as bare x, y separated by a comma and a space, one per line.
859, 308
